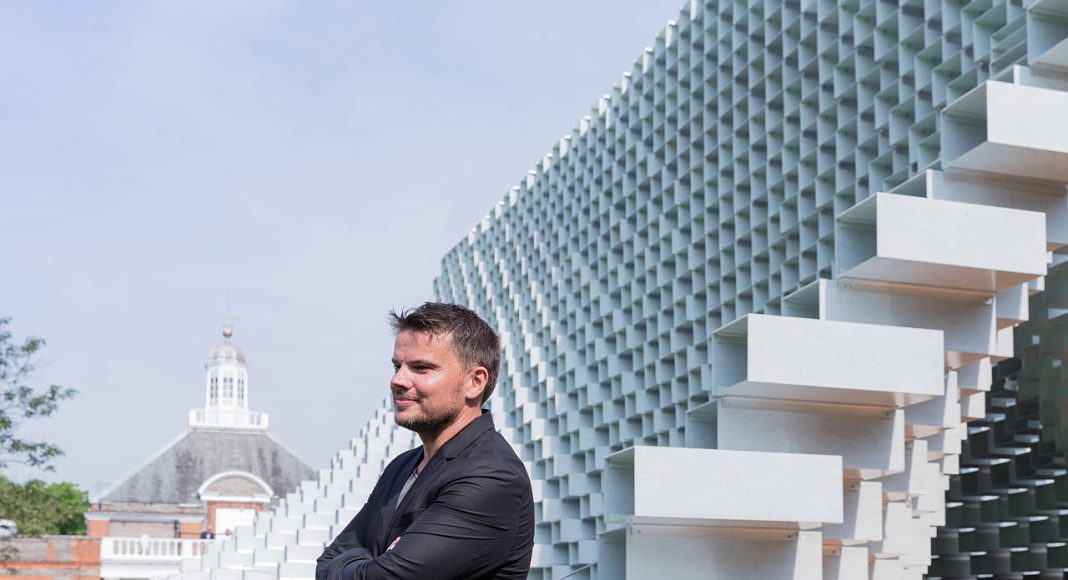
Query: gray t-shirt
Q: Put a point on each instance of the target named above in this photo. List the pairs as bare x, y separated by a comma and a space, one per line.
407, 486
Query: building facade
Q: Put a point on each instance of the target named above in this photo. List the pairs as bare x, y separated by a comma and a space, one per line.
751, 303
217, 475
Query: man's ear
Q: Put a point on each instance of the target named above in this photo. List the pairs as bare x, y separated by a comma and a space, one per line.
476, 384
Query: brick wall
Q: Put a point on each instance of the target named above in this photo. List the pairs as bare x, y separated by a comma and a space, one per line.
138, 529
96, 528
190, 530
59, 557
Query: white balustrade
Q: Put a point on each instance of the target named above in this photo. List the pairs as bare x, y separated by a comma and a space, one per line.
146, 548
240, 418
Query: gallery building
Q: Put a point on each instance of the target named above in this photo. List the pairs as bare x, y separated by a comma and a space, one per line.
215, 476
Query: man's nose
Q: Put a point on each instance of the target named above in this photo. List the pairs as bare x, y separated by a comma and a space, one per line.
401, 379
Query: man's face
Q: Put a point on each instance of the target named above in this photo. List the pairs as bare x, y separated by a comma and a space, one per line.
428, 382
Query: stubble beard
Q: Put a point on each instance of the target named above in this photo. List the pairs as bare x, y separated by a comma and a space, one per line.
429, 422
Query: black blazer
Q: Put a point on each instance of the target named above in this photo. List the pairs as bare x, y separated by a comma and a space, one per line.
469, 514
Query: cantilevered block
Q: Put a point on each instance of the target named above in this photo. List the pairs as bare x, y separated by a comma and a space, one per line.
801, 359
968, 326
1005, 340
975, 377
973, 407
933, 499
846, 563
730, 489
941, 413
967, 186
950, 465
863, 517
1012, 306
870, 440
944, 443
673, 552
919, 553
943, 244
1007, 128
888, 569
916, 477
897, 531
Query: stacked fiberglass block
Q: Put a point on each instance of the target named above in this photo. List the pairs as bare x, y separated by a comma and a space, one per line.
749, 304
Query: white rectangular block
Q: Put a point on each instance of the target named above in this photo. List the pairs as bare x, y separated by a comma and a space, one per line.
943, 244
916, 477
777, 357
713, 487
669, 552
863, 518
846, 563
871, 445
944, 443
897, 531
919, 553
1012, 306
973, 407
970, 187
991, 129
975, 377
930, 417
887, 569
968, 327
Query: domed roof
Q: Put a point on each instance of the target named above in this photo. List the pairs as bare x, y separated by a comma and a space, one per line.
227, 352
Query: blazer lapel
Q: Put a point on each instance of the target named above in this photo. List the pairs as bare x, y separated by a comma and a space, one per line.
387, 513
416, 497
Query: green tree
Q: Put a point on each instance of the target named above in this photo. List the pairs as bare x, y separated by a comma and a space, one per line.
38, 508
35, 507
19, 401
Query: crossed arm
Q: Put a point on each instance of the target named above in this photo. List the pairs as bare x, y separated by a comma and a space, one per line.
466, 531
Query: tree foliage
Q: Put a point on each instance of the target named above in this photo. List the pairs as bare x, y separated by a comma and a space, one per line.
38, 508
20, 401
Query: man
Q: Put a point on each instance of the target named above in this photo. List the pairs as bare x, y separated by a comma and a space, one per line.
461, 505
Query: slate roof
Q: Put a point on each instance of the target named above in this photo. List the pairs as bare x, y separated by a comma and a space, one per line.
174, 474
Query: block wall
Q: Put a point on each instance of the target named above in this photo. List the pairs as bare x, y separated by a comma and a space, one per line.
704, 187
886, 176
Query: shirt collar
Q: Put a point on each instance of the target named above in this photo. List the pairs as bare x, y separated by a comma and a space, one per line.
467, 435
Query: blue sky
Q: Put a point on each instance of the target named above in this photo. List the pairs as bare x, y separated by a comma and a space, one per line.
304, 165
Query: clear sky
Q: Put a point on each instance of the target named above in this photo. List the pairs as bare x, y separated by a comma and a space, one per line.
301, 165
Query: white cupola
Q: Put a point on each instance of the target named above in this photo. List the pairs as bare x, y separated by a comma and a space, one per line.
226, 391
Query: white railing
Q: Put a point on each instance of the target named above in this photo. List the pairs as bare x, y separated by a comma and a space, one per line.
146, 548
240, 419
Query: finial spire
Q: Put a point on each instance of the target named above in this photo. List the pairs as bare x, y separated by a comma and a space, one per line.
228, 326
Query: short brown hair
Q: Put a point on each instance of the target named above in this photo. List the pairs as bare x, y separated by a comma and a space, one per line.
472, 339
